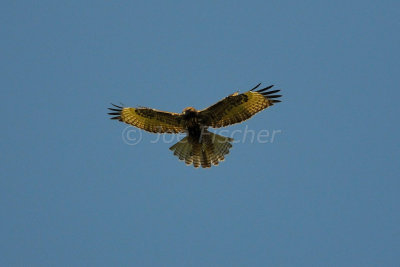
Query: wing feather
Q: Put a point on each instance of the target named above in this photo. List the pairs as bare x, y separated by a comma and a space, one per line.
238, 107
151, 120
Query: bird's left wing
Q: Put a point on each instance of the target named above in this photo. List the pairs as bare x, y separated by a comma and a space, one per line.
149, 119
238, 107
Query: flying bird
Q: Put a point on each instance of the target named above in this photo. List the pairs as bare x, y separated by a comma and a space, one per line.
200, 147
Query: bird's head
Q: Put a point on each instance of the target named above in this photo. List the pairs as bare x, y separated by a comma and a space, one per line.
189, 110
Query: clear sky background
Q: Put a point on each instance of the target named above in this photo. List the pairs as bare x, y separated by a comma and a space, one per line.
324, 193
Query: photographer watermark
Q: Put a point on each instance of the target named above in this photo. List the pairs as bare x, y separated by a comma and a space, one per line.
132, 136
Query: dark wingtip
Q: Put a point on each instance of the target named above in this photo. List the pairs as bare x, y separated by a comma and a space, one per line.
270, 92
116, 106
274, 96
255, 87
117, 112
265, 89
269, 95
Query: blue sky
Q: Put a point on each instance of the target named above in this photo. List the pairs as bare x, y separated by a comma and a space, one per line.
324, 193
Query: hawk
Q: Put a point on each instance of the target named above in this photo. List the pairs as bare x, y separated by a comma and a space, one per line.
200, 147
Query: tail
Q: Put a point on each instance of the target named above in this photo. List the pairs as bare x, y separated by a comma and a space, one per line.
209, 150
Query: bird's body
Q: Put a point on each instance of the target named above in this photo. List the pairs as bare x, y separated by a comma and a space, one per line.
191, 122
200, 147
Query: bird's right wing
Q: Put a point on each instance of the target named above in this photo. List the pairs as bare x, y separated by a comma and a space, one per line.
238, 107
148, 119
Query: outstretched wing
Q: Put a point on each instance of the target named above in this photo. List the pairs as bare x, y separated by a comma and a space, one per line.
238, 107
148, 119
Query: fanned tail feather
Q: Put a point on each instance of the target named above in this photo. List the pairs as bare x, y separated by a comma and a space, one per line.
209, 150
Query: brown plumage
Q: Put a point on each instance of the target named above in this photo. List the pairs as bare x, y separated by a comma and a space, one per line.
200, 147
